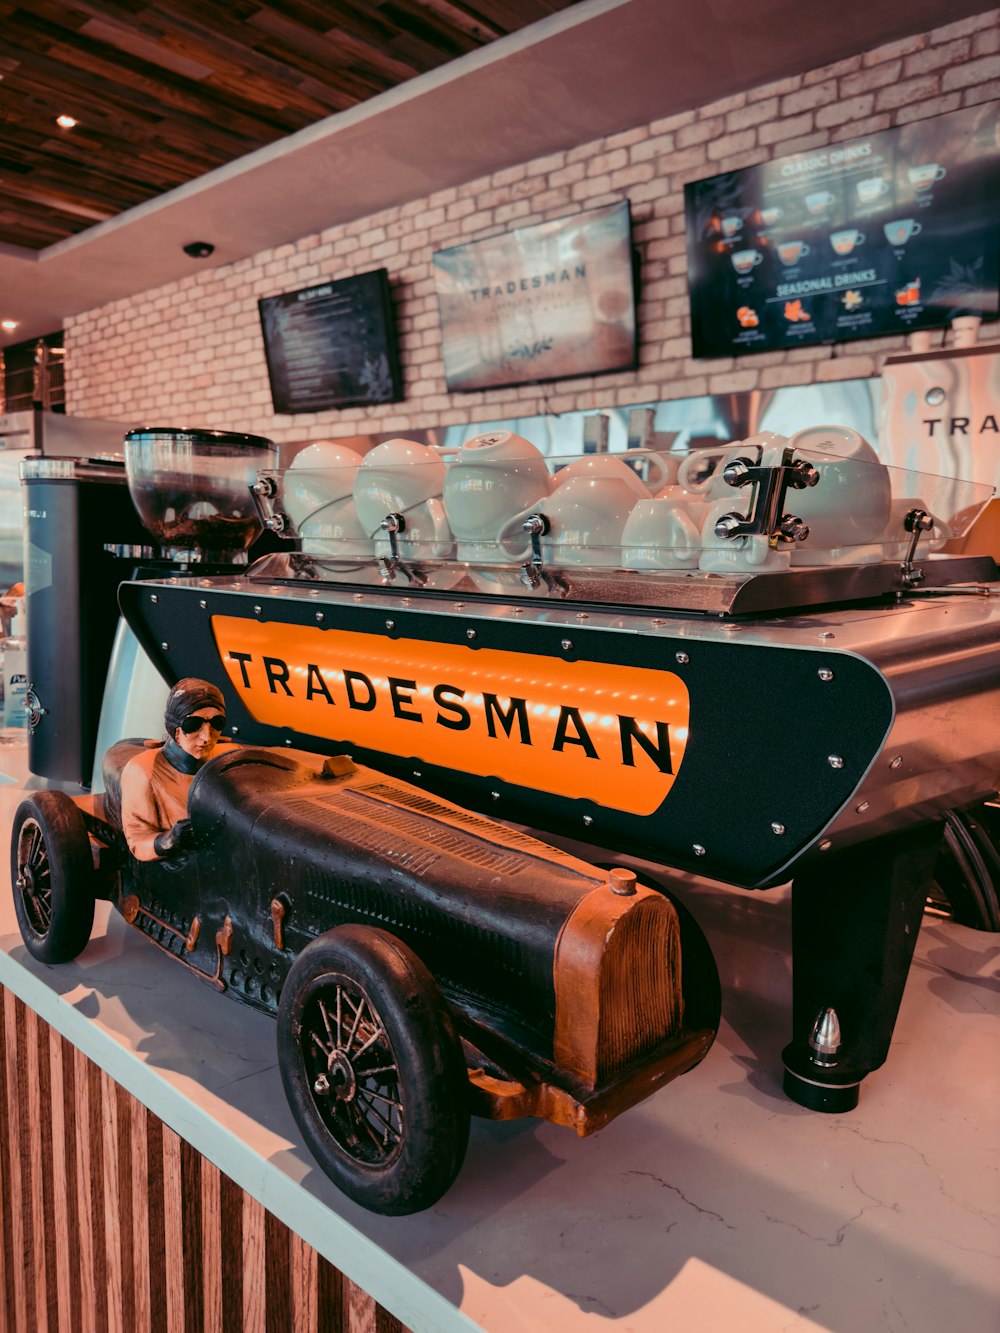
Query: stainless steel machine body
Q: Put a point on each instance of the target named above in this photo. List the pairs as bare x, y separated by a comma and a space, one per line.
749, 705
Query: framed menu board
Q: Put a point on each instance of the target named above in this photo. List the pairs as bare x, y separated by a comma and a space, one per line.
539, 303
332, 345
896, 231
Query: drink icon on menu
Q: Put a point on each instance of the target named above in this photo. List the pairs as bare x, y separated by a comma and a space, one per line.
910, 294
818, 201
901, 230
923, 177
769, 216
745, 261
748, 317
731, 225
790, 252
844, 242
871, 188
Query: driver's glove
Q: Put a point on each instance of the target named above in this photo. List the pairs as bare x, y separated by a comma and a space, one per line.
174, 840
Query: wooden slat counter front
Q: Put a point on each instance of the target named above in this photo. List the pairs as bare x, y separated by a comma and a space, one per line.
112, 1221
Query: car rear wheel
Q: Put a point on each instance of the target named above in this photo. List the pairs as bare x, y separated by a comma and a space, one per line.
373, 1069
52, 875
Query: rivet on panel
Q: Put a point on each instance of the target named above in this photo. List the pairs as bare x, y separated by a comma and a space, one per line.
390, 624
777, 828
828, 634
588, 820
825, 673
257, 610
682, 658
319, 615
567, 644
164, 646
895, 763
698, 849
153, 598
825, 845
835, 761
470, 634
860, 809
495, 795
202, 603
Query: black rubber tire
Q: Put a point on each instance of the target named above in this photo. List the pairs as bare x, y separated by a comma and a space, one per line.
418, 1078
52, 877
968, 867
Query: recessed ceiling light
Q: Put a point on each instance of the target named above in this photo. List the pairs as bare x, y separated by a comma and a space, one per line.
8, 324
65, 122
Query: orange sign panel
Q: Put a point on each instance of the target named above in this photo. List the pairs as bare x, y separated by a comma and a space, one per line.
611, 734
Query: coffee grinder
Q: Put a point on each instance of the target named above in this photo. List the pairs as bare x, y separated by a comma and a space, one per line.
179, 504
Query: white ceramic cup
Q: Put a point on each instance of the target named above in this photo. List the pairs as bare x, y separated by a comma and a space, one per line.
892, 545
319, 475
394, 478
700, 472
850, 505
586, 517
660, 534
425, 534
730, 555
489, 478
613, 467
965, 330
335, 531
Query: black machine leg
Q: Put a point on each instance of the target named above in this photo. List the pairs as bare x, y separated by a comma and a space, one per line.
855, 917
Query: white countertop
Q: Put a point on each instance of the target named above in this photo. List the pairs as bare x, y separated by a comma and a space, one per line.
717, 1203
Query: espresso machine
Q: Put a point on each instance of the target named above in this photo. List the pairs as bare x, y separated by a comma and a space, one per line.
163, 509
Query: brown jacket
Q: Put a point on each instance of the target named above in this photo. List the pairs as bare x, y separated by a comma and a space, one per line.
154, 797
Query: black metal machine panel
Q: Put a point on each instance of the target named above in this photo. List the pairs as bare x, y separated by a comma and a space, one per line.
658, 738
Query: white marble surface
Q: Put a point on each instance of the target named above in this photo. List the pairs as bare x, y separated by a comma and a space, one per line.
716, 1204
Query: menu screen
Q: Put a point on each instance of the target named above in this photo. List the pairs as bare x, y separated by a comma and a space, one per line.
545, 302
332, 345
885, 234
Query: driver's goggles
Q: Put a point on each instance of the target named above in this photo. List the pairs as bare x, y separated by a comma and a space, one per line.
192, 724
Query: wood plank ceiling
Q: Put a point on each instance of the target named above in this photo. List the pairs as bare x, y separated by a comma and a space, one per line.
165, 92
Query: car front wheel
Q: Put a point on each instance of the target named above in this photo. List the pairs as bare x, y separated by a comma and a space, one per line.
52, 876
373, 1069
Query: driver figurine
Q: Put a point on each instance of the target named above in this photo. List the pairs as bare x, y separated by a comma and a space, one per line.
155, 783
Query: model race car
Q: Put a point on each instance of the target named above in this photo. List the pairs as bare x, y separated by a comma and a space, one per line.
424, 963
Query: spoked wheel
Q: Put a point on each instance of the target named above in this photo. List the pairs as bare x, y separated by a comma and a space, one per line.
373, 1069
52, 875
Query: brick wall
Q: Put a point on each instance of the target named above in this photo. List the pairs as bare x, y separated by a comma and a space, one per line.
192, 351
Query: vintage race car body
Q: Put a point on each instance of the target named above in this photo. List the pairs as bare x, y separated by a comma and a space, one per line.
558, 987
